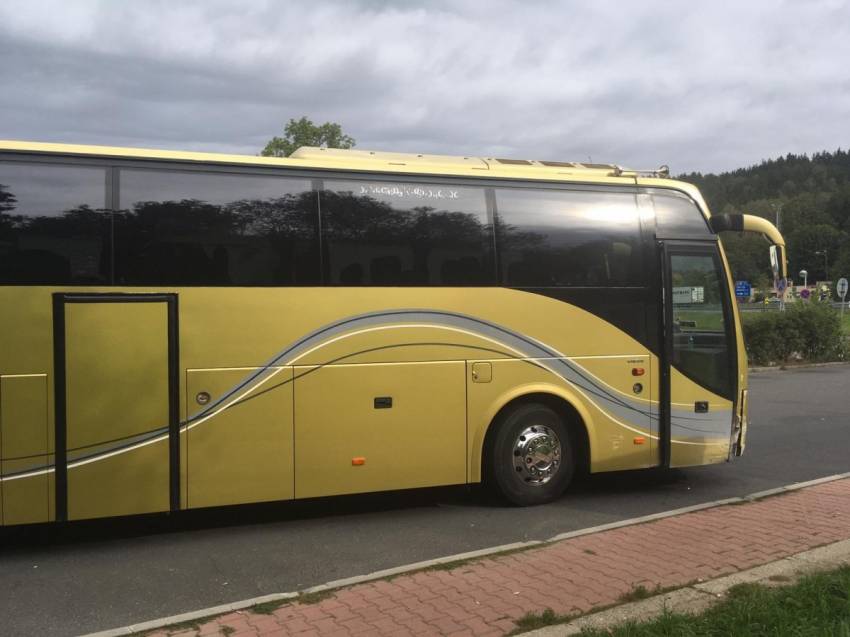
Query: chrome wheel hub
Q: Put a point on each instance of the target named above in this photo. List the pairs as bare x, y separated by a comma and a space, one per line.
537, 454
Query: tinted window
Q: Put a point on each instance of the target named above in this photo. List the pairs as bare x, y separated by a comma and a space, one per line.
700, 336
568, 238
53, 229
676, 215
215, 229
385, 233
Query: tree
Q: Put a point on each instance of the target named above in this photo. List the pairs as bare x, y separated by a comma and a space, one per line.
7, 199
303, 132
814, 195
806, 248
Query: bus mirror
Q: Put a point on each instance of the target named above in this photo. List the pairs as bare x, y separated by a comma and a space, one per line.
777, 261
774, 262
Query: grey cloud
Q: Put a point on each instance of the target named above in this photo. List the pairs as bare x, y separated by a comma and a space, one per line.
707, 86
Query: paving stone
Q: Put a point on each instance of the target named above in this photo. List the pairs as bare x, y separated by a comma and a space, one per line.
487, 596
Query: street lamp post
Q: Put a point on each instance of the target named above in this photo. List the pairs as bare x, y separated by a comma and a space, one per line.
805, 276
825, 262
777, 209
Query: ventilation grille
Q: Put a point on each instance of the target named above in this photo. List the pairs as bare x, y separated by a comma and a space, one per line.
515, 162
559, 164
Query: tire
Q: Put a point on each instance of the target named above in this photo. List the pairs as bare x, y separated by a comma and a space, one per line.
531, 459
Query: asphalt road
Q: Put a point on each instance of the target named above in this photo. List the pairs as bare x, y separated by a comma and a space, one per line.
94, 577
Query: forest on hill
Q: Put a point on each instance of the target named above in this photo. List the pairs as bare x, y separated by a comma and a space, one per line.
810, 195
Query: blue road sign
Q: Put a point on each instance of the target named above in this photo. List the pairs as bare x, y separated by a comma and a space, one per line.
743, 289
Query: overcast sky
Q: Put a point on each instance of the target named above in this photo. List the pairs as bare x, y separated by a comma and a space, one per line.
699, 85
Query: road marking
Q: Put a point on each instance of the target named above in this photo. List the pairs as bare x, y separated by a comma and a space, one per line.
416, 566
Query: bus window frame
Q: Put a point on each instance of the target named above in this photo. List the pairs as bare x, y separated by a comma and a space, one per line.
317, 176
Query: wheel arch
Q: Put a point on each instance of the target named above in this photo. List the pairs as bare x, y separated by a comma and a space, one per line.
568, 406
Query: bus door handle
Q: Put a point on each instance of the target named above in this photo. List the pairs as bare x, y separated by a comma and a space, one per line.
701, 407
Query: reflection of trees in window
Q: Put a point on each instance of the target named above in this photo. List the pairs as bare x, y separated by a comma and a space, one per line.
563, 257
62, 248
7, 221
369, 239
7, 199
376, 242
565, 238
245, 242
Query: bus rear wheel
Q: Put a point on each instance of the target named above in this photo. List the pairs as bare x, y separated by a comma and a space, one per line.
531, 459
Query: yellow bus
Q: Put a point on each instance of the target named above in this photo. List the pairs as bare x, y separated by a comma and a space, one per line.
182, 330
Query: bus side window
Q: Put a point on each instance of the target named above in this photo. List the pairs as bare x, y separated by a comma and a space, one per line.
207, 228
563, 238
395, 233
677, 216
54, 228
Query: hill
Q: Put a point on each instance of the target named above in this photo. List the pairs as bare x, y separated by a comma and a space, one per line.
810, 194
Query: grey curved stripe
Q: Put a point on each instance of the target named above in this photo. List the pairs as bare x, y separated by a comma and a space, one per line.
721, 423
529, 348
622, 407
86, 453
92, 451
36, 463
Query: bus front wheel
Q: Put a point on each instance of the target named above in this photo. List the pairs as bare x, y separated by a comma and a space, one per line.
531, 460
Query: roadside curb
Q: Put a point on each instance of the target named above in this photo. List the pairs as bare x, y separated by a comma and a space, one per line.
699, 597
788, 368
417, 566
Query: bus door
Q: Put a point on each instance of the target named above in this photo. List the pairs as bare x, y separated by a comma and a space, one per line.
116, 398
700, 357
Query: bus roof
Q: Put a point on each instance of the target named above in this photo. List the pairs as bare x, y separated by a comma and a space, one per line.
379, 161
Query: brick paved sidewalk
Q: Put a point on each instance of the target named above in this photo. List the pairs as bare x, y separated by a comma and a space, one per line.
486, 596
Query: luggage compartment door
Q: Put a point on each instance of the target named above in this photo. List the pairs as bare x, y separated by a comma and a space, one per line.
116, 390
377, 427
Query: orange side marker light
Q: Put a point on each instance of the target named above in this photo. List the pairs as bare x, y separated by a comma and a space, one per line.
358, 461
639, 440
638, 371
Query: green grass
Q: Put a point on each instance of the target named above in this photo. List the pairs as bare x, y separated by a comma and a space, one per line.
548, 617
533, 621
267, 608
314, 598
640, 592
703, 321
845, 322
816, 605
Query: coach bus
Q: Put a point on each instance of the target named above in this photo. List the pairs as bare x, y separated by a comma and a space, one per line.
182, 330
